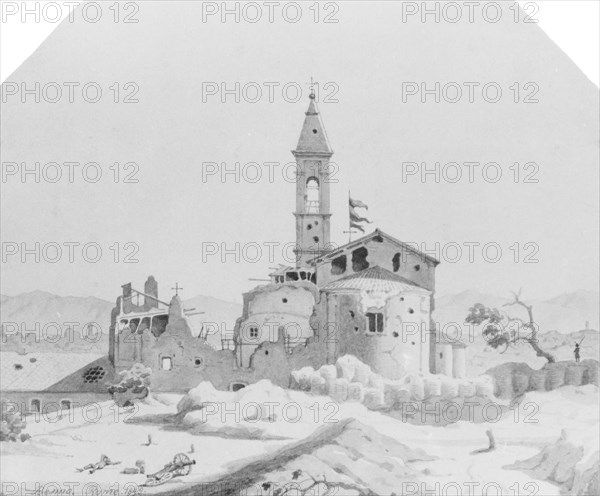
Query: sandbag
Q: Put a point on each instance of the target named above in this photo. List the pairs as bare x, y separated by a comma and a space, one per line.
356, 392
555, 375
484, 386
362, 373
537, 380
318, 385
574, 375
504, 385
339, 391
520, 383
449, 388
373, 398
346, 366
466, 389
433, 386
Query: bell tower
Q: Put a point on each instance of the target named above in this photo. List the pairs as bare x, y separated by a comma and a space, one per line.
312, 188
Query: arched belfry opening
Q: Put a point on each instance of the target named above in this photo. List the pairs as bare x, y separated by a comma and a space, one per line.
312, 195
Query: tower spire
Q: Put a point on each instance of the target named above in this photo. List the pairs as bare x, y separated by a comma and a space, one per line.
313, 138
312, 187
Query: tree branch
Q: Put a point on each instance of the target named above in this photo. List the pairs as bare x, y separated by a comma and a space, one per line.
532, 340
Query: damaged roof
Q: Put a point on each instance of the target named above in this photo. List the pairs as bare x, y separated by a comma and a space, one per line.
374, 279
377, 233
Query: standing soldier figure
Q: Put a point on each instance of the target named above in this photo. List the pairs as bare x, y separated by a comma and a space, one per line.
576, 352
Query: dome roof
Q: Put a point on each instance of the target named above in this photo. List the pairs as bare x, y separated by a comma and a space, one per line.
374, 279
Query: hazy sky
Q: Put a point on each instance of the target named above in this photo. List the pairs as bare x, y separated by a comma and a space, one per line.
546, 215
572, 24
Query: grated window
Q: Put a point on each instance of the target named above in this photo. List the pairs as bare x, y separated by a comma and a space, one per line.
93, 375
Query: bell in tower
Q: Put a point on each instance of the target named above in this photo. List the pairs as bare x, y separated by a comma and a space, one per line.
312, 188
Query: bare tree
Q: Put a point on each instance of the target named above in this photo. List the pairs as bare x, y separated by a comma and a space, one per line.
504, 330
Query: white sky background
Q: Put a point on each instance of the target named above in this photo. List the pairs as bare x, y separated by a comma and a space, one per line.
572, 24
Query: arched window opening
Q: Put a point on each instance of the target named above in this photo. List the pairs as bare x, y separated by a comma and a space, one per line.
35, 406
312, 195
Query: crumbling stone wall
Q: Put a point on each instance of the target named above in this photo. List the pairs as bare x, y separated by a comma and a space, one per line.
270, 308
402, 347
192, 360
298, 327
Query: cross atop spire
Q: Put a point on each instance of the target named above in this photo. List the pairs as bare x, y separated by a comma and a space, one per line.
177, 288
312, 89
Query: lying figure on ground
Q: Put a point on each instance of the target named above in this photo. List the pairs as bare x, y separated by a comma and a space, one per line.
104, 462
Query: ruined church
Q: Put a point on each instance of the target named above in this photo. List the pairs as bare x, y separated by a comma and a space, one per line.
372, 298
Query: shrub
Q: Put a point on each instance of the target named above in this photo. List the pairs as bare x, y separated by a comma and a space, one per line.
12, 426
134, 385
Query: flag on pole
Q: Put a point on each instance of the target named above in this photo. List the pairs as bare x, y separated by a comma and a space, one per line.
356, 226
357, 203
355, 218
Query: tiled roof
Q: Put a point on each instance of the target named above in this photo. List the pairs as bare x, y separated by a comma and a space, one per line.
374, 279
39, 371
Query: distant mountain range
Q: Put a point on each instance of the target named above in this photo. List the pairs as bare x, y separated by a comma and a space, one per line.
43, 315
564, 314
41, 321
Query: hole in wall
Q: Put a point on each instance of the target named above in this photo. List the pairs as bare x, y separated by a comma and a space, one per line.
284, 300
410, 310
396, 262
359, 259
338, 265
314, 131
309, 227
316, 239
395, 334
417, 267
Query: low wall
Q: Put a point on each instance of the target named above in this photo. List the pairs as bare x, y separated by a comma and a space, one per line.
351, 380
514, 379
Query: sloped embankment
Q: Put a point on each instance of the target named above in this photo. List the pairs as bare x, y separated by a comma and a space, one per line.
348, 455
566, 464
